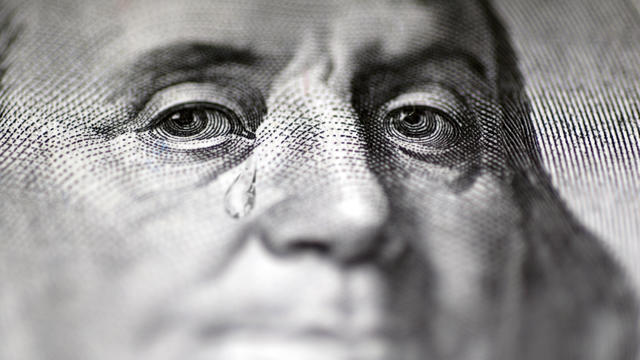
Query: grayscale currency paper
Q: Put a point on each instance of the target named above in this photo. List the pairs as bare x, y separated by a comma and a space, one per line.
339, 179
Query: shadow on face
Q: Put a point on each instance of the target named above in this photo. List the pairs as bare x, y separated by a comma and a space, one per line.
287, 180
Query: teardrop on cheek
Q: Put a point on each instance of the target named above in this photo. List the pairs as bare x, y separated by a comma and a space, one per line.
241, 195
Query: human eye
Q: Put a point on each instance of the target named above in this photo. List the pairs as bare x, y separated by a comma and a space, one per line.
425, 123
195, 117
195, 125
416, 125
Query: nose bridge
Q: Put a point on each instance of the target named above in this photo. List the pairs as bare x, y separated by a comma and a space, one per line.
309, 121
314, 153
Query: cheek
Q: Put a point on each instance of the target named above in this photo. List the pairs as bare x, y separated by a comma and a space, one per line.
149, 207
478, 216
124, 181
143, 168
466, 237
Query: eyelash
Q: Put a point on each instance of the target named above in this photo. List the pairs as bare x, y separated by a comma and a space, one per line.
191, 125
422, 126
192, 116
198, 125
175, 117
425, 123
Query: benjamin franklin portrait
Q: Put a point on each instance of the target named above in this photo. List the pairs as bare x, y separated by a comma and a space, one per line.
280, 179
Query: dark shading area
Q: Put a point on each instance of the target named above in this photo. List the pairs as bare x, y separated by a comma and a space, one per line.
572, 285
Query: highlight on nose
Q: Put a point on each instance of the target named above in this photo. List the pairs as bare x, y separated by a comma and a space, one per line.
343, 229
332, 204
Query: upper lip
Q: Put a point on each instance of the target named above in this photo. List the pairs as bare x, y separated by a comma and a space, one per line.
310, 331
216, 328
311, 342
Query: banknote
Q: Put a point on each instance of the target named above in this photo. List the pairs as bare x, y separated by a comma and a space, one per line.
299, 179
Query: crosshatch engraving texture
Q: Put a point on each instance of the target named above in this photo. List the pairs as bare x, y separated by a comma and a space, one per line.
279, 179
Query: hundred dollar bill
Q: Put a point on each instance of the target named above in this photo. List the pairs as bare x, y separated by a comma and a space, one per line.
374, 180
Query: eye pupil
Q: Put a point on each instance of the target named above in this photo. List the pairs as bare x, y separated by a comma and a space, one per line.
415, 122
183, 118
413, 118
186, 122
422, 125
197, 123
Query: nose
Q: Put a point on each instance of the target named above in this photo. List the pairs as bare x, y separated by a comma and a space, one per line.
345, 226
315, 175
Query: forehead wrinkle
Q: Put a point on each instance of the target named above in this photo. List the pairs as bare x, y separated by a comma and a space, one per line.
378, 33
387, 33
309, 53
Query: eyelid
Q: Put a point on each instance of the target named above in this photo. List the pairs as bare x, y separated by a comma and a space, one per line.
433, 96
183, 94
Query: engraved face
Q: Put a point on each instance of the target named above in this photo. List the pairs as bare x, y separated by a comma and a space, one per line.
262, 179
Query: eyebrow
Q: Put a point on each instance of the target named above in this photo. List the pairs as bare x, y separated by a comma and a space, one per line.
191, 56
162, 67
437, 52
444, 53
192, 61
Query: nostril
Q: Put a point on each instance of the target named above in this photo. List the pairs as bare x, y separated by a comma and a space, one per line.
310, 246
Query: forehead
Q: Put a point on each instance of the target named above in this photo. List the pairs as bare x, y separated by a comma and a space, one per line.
266, 26
71, 49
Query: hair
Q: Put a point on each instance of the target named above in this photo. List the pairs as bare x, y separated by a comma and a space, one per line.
575, 295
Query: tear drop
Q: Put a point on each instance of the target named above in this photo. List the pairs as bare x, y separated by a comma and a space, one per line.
241, 195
